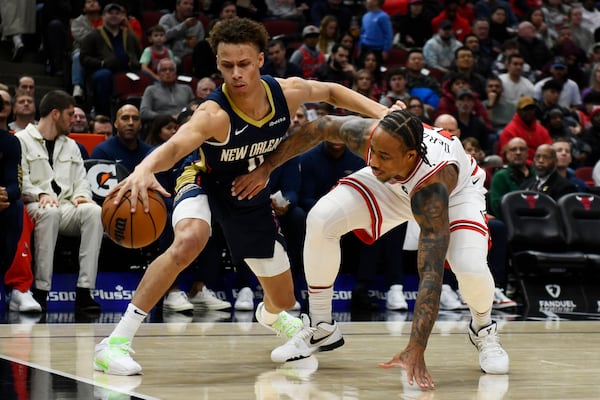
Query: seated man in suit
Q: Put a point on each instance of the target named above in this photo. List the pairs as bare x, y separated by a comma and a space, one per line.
548, 179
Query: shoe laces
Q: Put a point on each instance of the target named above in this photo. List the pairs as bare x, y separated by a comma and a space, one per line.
123, 347
489, 344
303, 335
285, 325
179, 295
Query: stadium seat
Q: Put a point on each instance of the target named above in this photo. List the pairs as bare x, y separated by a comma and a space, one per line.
88, 140
581, 216
536, 236
126, 88
437, 74
281, 27
537, 248
150, 18
205, 23
585, 174
396, 58
187, 65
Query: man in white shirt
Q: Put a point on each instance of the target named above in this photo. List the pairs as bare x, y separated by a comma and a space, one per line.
569, 95
58, 198
514, 85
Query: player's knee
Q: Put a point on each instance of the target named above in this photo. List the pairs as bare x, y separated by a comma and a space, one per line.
477, 289
468, 260
187, 246
318, 222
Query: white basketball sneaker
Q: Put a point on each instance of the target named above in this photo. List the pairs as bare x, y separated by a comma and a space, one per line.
395, 299
323, 337
449, 299
286, 325
113, 357
493, 359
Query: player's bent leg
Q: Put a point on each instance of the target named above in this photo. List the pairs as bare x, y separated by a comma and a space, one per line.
326, 223
275, 278
190, 238
113, 354
467, 256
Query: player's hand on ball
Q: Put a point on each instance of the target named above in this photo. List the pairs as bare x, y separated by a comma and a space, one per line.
412, 360
138, 183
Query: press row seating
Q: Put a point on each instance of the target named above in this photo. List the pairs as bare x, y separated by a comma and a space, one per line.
549, 235
552, 241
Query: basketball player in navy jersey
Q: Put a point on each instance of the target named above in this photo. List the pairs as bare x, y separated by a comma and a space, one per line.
235, 128
413, 172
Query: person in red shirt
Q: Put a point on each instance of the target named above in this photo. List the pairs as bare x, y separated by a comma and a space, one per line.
525, 126
460, 25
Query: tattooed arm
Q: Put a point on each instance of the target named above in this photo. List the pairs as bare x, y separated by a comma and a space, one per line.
430, 208
352, 130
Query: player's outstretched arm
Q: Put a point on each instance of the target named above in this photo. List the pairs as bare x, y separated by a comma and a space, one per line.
188, 137
352, 130
430, 209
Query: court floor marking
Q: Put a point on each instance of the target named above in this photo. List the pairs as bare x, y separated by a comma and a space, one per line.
77, 378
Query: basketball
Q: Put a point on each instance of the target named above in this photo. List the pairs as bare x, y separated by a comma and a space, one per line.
138, 229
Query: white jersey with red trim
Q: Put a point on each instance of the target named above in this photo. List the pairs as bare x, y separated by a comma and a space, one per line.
388, 204
443, 149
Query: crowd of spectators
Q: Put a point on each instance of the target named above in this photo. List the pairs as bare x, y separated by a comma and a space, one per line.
520, 80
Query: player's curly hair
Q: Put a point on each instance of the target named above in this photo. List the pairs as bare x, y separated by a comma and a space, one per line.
408, 128
238, 30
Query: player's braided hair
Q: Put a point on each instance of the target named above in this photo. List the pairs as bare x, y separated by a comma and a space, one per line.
408, 128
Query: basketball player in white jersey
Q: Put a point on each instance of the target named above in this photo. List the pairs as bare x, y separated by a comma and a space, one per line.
414, 172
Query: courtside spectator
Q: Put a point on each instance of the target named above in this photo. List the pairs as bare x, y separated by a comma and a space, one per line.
79, 122
515, 175
102, 125
23, 111
15, 235
59, 198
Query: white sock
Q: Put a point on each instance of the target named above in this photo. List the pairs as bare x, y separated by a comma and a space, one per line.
319, 304
265, 316
130, 322
17, 41
480, 320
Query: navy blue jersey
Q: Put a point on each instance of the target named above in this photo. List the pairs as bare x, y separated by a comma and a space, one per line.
249, 140
249, 226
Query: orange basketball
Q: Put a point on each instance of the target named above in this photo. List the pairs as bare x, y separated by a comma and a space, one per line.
138, 229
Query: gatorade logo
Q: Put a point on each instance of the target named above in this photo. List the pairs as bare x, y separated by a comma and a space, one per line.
102, 178
103, 175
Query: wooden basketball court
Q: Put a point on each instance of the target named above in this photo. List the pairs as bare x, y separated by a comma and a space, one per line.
552, 359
